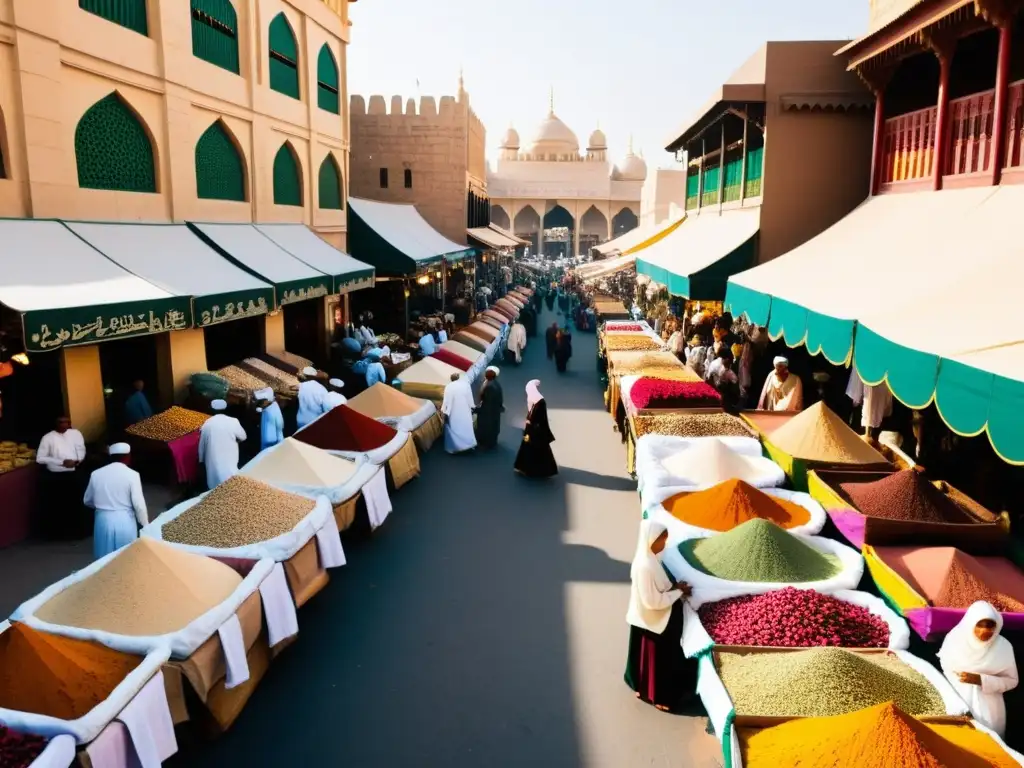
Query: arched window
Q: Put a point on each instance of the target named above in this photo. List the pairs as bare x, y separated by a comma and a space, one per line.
130, 14
331, 188
287, 177
113, 150
327, 90
220, 169
284, 58
215, 33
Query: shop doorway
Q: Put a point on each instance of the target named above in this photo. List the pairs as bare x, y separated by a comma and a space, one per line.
302, 332
122, 362
228, 343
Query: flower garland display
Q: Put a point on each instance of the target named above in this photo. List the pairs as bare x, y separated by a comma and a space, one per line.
661, 393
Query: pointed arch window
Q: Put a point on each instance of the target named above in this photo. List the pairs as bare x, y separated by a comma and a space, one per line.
330, 184
327, 89
215, 33
113, 149
287, 177
220, 168
130, 14
284, 58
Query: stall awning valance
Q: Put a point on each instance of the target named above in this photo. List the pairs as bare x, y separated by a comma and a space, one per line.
488, 238
293, 280
598, 269
300, 241
697, 257
505, 233
69, 293
174, 258
396, 239
627, 240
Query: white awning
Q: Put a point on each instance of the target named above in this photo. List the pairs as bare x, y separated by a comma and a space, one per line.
304, 244
174, 258
505, 233
491, 238
598, 269
402, 227
627, 240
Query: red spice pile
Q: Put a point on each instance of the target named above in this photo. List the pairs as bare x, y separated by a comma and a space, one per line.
793, 618
455, 361
19, 750
343, 429
662, 393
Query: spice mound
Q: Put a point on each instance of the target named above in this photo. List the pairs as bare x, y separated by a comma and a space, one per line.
882, 736
711, 461
904, 495
630, 343
295, 463
56, 676
239, 378
761, 551
817, 434
732, 503
168, 425
967, 581
691, 425
343, 429
660, 393
19, 750
819, 682
793, 618
238, 512
150, 588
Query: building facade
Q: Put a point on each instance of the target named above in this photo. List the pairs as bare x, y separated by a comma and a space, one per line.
561, 200
431, 155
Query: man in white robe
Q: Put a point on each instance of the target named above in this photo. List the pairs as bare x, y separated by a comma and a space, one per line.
457, 411
876, 400
517, 341
312, 398
782, 390
115, 492
218, 445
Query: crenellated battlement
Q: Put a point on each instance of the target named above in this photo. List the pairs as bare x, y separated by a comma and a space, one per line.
430, 107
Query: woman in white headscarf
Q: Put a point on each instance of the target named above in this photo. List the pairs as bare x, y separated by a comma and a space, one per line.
979, 663
656, 668
535, 458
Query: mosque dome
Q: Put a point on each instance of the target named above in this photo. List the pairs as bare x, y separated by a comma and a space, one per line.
553, 137
632, 168
597, 140
511, 140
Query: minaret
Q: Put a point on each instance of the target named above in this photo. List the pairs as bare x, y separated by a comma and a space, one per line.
551, 101
462, 88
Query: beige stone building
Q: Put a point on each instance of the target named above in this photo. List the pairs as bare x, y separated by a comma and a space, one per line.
430, 154
167, 111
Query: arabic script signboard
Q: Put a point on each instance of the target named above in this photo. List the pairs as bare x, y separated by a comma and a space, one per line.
47, 330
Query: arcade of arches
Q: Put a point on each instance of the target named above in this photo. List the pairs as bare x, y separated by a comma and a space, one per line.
570, 228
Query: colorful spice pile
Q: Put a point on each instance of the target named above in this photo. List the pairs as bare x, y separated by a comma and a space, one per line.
760, 551
169, 425
238, 512
820, 682
904, 496
793, 618
150, 588
56, 676
455, 361
625, 327
19, 750
630, 343
727, 505
882, 736
343, 429
710, 461
691, 425
239, 378
968, 581
660, 393
817, 434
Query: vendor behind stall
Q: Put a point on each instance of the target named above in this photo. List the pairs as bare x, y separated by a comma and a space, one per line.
137, 407
62, 451
271, 418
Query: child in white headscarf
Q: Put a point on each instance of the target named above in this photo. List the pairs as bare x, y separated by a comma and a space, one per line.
979, 663
656, 667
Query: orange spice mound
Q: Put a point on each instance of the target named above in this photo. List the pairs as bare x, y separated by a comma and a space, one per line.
727, 505
50, 675
878, 737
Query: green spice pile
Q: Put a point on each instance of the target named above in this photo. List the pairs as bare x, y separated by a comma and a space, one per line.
761, 551
821, 682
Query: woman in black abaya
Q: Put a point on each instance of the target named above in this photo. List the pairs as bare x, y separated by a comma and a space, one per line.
535, 458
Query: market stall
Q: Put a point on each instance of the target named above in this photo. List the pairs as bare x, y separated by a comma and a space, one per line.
399, 410
19, 482
165, 447
427, 379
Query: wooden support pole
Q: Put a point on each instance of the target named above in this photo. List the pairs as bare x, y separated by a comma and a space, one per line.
1002, 96
877, 148
721, 170
743, 166
941, 121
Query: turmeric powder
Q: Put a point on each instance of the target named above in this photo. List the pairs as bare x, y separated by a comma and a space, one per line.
882, 736
727, 505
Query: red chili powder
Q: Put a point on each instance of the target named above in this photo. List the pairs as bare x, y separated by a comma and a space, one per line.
342, 429
455, 361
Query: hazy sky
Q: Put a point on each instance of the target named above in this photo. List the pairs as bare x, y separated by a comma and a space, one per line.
637, 67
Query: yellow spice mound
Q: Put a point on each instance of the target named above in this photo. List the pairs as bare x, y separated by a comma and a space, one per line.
818, 434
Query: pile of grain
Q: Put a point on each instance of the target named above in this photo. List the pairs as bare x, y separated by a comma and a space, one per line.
904, 496
691, 425
759, 551
296, 463
631, 343
169, 425
820, 682
238, 512
630, 363
731, 503
150, 588
239, 378
294, 360
281, 381
711, 461
817, 434
967, 581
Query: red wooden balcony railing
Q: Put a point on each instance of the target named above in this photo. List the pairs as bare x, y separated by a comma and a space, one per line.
970, 134
908, 146
1015, 127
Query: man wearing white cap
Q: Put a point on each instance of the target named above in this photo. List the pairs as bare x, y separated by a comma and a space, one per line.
218, 445
115, 492
312, 397
271, 421
457, 412
334, 397
782, 390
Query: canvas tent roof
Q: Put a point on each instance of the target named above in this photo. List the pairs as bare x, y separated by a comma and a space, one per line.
174, 258
429, 370
70, 293
505, 233
382, 400
489, 238
304, 244
294, 462
460, 349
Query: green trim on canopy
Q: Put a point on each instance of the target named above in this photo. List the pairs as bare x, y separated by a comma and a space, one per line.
829, 336
708, 283
220, 307
49, 329
741, 300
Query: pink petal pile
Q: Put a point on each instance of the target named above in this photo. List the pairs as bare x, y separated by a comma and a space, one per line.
793, 618
662, 393
625, 327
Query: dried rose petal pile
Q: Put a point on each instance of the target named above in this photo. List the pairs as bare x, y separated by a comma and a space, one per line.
625, 327
793, 618
19, 750
660, 393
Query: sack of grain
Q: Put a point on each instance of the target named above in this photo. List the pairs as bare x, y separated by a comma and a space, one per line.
209, 386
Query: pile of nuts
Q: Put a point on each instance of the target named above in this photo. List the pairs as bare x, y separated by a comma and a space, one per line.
691, 425
296, 360
15, 455
169, 425
239, 378
238, 512
281, 381
634, 363
631, 343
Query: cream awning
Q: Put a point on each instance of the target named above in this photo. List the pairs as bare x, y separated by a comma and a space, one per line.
505, 233
307, 246
490, 239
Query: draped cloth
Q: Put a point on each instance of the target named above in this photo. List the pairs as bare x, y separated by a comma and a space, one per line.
457, 408
517, 341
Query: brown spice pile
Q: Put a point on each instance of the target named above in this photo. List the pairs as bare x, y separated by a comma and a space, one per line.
967, 582
691, 425
904, 496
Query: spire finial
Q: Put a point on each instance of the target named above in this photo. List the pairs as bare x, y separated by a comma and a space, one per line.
551, 99
629, 148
